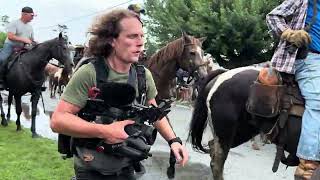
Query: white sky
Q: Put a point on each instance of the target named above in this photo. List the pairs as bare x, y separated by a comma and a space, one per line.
76, 14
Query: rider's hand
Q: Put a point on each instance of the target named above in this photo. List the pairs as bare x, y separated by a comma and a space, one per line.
180, 153
298, 38
27, 41
114, 133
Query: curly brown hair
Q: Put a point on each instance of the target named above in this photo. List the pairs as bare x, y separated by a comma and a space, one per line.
105, 29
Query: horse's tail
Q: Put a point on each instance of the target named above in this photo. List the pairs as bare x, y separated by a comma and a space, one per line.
200, 113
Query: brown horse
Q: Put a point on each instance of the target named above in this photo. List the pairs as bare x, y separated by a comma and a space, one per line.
58, 80
185, 53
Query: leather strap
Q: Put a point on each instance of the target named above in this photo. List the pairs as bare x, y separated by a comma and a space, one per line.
176, 139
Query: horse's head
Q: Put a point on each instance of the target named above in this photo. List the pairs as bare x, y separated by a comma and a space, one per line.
192, 56
61, 52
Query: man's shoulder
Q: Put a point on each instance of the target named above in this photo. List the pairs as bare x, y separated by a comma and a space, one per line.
86, 68
14, 23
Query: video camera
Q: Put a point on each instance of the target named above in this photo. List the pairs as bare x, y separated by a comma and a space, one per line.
116, 101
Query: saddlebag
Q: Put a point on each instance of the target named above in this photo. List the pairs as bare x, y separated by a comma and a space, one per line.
264, 100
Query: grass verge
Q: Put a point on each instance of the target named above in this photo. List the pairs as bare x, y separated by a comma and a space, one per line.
24, 158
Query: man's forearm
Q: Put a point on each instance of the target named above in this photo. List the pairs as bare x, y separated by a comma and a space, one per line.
165, 129
69, 124
13, 37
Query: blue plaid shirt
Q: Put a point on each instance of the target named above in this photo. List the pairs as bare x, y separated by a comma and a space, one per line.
290, 14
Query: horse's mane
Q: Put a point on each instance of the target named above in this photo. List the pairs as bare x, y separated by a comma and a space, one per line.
167, 53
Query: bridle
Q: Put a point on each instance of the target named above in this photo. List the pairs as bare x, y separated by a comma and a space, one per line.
194, 69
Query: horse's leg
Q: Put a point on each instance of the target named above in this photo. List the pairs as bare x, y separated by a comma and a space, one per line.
10, 98
255, 144
3, 118
34, 102
218, 152
18, 111
220, 145
54, 89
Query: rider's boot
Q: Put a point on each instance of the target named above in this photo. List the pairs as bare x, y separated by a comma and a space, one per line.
305, 169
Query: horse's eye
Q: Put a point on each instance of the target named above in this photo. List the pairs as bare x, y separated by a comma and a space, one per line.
193, 53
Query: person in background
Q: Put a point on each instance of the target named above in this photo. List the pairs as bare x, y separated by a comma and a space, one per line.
136, 8
19, 33
297, 24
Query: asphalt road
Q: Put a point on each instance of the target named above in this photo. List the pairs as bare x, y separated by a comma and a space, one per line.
243, 162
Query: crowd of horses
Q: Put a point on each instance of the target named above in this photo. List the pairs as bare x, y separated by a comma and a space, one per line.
221, 94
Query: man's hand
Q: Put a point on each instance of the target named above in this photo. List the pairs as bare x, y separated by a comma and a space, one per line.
114, 133
180, 153
298, 38
27, 41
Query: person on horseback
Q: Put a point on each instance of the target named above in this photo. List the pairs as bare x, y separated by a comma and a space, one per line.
116, 43
136, 8
297, 24
19, 33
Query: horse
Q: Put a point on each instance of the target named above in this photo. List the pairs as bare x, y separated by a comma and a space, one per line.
222, 103
79, 52
185, 53
58, 80
26, 74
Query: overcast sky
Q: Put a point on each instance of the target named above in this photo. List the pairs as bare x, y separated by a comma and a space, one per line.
76, 14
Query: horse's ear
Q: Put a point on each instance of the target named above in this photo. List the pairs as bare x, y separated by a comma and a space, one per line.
186, 37
60, 35
202, 39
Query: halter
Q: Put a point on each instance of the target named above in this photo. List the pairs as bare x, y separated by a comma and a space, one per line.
39, 82
195, 68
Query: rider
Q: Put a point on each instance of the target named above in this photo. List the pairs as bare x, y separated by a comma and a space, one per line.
136, 8
117, 40
19, 33
297, 23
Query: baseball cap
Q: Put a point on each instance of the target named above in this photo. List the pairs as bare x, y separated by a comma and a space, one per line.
136, 8
27, 10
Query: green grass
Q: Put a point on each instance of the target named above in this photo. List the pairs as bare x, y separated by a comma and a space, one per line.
24, 158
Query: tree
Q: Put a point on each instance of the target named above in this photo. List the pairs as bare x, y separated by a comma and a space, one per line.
61, 28
3, 37
4, 20
236, 31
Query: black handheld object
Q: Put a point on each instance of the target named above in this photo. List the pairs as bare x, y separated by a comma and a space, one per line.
117, 94
115, 101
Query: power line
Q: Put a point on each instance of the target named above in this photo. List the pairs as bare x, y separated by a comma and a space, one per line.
83, 16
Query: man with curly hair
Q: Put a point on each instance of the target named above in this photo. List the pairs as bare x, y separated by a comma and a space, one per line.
117, 40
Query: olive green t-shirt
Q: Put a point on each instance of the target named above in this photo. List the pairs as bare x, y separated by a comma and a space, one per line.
76, 92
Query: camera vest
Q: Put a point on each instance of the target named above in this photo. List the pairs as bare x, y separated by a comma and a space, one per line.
136, 77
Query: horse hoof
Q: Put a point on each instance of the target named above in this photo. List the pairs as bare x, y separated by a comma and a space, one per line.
4, 123
35, 135
255, 146
170, 172
19, 128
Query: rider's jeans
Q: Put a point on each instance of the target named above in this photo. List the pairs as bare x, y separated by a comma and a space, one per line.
6, 51
308, 77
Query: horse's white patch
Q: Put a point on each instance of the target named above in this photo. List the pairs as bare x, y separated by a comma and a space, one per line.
220, 79
58, 74
199, 50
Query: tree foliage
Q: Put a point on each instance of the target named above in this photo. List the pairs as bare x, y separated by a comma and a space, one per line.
236, 31
4, 20
3, 37
61, 28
